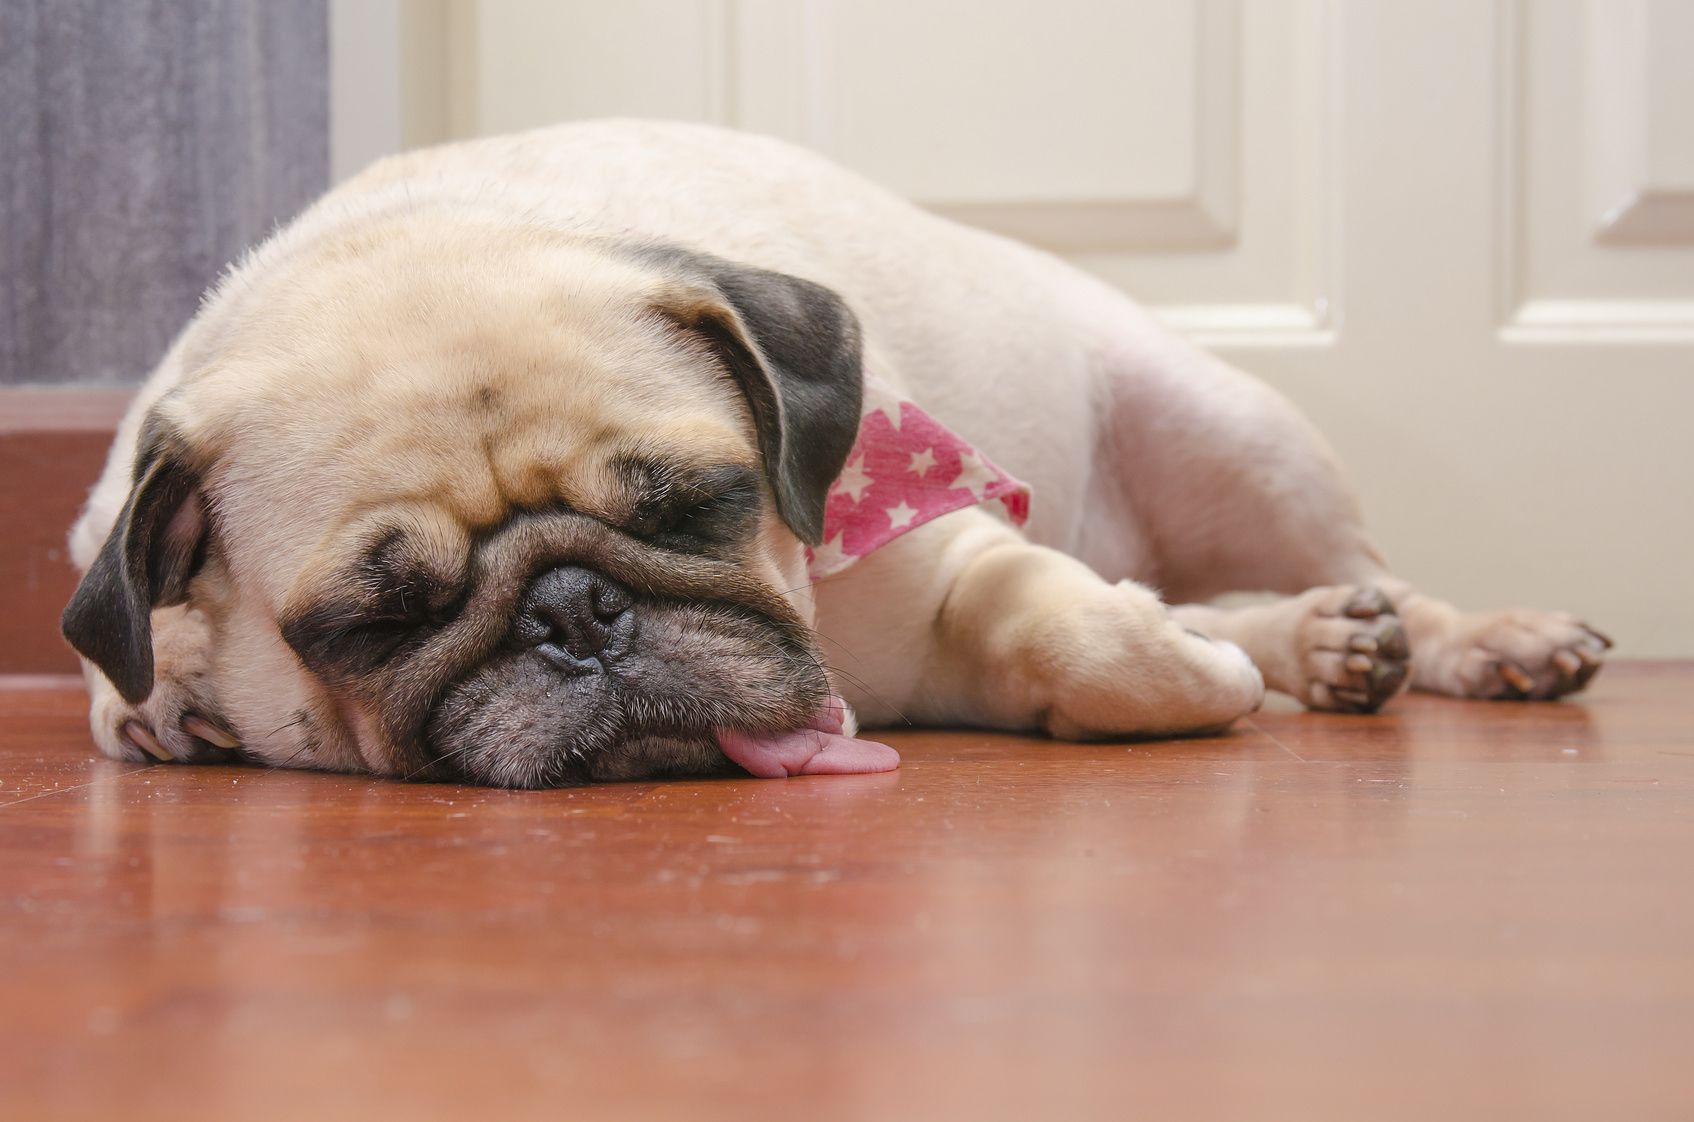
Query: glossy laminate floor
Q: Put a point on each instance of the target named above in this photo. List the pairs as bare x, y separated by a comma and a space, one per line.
1450, 911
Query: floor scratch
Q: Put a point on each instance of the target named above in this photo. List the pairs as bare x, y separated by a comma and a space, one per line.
1257, 727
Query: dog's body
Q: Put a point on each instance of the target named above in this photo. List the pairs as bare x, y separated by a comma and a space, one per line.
443, 289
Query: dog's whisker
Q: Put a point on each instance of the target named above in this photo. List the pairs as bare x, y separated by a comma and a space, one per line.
299, 719
441, 759
305, 746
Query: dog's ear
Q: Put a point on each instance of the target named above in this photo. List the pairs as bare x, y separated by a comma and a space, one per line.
793, 346
147, 562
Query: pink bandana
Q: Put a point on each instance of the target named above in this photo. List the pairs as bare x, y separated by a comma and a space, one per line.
905, 469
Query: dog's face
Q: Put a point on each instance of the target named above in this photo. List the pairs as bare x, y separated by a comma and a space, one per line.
489, 502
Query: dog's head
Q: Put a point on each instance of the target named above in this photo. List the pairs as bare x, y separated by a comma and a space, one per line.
489, 502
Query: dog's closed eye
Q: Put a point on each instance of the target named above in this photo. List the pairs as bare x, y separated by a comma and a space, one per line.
403, 587
392, 601
692, 510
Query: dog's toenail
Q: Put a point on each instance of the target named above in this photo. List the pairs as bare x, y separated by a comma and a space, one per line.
210, 733
1516, 677
142, 737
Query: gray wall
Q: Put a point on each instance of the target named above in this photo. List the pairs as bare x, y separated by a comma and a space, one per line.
143, 145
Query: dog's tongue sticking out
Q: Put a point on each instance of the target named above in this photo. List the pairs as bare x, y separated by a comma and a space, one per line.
821, 748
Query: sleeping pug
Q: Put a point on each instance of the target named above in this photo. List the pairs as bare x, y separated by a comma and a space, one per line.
632, 449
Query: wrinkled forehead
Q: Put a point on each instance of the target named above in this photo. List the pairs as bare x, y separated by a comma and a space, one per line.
501, 400
449, 478
475, 462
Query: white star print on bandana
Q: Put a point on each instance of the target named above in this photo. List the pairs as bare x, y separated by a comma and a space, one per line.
905, 469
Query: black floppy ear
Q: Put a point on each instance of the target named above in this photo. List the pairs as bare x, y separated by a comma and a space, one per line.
146, 563
793, 346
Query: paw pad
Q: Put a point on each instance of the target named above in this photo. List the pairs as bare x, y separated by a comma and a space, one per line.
1359, 654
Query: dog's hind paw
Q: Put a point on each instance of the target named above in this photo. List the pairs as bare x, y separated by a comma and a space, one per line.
1354, 651
1519, 655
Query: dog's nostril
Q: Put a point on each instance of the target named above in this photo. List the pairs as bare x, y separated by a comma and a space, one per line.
573, 615
610, 601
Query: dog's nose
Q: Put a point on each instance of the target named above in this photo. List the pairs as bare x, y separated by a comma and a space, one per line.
574, 616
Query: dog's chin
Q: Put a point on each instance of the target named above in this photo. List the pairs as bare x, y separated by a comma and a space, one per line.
518, 721
564, 765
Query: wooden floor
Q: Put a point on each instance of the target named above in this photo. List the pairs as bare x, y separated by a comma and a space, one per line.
1451, 911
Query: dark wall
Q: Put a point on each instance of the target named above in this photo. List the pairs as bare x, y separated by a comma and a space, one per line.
143, 145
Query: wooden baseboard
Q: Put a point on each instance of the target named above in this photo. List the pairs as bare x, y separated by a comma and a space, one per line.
52, 446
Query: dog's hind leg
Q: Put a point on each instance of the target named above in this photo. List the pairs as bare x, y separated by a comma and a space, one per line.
1235, 491
1227, 485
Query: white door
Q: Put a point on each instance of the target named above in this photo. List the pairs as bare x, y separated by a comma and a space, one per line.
1459, 234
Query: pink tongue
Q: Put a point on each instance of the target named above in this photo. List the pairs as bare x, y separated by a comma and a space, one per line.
822, 749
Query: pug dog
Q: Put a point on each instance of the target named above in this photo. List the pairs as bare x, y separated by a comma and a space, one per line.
513, 462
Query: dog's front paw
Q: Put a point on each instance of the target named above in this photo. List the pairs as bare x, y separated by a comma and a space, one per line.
170, 726
1188, 685
1353, 651
1236, 687
178, 721
1521, 655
